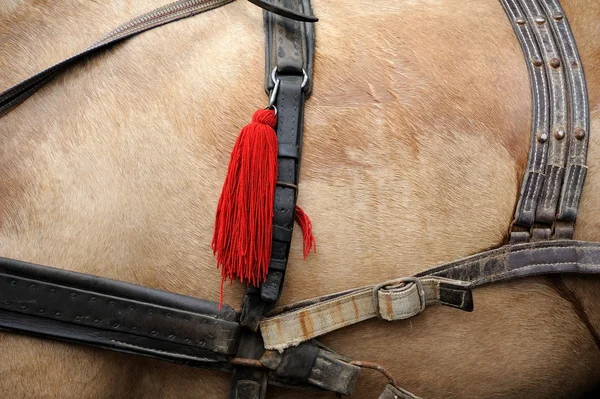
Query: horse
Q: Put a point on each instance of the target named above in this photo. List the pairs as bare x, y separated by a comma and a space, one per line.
416, 139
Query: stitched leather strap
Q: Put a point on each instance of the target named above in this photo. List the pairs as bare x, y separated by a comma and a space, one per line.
175, 11
289, 57
290, 51
557, 140
578, 136
554, 179
393, 300
407, 297
536, 163
76, 307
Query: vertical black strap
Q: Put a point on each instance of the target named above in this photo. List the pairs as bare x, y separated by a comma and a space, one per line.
289, 52
289, 59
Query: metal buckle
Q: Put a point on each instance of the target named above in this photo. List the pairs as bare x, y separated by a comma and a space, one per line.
401, 280
277, 82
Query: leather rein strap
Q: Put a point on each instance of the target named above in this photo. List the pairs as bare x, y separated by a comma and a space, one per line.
278, 349
172, 12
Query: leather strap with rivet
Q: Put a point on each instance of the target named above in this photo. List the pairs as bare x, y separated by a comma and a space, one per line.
553, 182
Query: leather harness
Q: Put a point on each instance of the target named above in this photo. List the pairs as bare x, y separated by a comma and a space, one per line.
267, 345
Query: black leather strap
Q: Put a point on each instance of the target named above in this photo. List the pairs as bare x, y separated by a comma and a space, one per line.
289, 51
63, 305
289, 58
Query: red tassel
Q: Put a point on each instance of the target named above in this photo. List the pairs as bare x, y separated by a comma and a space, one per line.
244, 221
307, 235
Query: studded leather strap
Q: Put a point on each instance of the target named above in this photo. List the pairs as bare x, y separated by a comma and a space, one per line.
536, 164
550, 196
578, 133
557, 142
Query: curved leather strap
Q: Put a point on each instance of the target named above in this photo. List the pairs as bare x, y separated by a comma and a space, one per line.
536, 163
557, 139
579, 115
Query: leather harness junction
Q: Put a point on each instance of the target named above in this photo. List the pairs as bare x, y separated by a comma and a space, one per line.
264, 344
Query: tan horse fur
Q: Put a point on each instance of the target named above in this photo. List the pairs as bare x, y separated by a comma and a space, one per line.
416, 138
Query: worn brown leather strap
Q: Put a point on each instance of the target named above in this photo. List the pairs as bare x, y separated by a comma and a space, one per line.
523, 260
283, 327
578, 133
557, 140
554, 206
536, 163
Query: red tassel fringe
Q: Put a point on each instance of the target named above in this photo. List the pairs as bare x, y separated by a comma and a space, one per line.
244, 220
307, 235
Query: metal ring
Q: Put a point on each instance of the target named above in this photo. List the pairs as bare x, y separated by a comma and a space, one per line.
304, 77
415, 280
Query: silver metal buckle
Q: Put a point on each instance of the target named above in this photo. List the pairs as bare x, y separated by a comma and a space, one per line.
401, 280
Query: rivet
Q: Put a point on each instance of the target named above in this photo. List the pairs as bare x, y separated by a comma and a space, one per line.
96, 321
6, 303
150, 311
115, 325
57, 314
52, 290
579, 133
542, 137
187, 318
93, 299
41, 311
187, 341
520, 21
204, 321
201, 343
559, 134
153, 332
32, 286
131, 307
77, 318
171, 336
73, 295
111, 303
23, 307
555, 62
13, 282
539, 20
574, 63
537, 61
558, 16
134, 328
